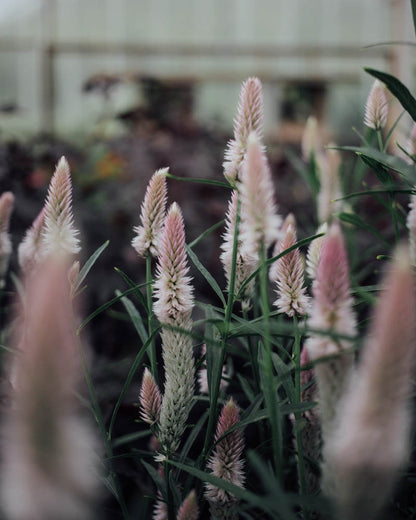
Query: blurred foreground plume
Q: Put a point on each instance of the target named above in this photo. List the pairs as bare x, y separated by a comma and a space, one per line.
371, 443
49, 467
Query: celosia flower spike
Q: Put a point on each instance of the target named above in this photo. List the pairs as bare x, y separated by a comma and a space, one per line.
250, 113
331, 311
150, 399
173, 292
6, 208
411, 146
314, 252
152, 215
48, 460
260, 222
376, 108
58, 232
246, 262
288, 274
311, 143
29, 251
372, 441
189, 508
226, 463
328, 203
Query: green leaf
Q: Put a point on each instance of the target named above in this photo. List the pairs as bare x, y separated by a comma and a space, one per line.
107, 305
407, 171
206, 233
206, 274
134, 316
379, 169
351, 218
88, 265
199, 181
413, 2
397, 88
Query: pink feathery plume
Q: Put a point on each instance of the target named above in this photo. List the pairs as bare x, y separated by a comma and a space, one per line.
260, 222
250, 114
411, 146
189, 508
376, 108
311, 432
226, 463
150, 399
48, 452
311, 143
314, 251
152, 215
172, 289
58, 231
6, 208
288, 274
331, 312
173, 306
246, 262
328, 203
371, 443
29, 251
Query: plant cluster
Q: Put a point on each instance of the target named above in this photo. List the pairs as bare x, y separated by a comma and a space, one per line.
303, 408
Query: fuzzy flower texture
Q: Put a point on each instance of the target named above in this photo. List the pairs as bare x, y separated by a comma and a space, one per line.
173, 307
376, 108
250, 114
288, 274
152, 215
226, 463
6, 208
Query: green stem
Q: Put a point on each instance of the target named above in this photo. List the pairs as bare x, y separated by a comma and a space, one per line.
216, 380
252, 350
169, 495
269, 390
296, 355
152, 347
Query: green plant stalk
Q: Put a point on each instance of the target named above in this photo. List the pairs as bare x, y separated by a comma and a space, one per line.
269, 390
296, 355
169, 496
253, 356
391, 195
216, 381
151, 351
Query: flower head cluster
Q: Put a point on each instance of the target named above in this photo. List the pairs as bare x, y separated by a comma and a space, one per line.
331, 312
29, 250
173, 307
152, 215
226, 463
189, 508
173, 292
49, 468
328, 164
288, 274
314, 252
58, 231
249, 119
371, 442
150, 399
376, 108
260, 222
246, 261
311, 142
6, 208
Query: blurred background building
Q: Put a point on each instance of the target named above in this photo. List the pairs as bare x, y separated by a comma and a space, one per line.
69, 67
